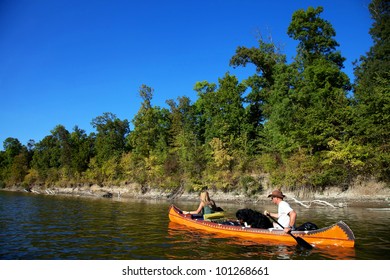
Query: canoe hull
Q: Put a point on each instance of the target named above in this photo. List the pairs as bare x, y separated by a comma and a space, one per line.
338, 234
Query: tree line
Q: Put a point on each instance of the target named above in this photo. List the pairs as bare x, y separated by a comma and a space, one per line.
302, 124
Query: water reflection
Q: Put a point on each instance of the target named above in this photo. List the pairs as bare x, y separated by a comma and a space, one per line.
186, 237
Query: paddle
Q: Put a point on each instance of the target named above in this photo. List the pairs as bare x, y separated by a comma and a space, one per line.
298, 239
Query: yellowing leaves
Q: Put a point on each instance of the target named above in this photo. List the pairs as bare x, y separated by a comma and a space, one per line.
346, 153
220, 154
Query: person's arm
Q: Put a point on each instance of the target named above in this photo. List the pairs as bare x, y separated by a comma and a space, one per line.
197, 211
293, 217
273, 215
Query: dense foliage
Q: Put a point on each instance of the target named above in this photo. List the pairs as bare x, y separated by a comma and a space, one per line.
303, 124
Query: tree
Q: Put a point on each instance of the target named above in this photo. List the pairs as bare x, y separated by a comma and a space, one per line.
47, 158
372, 91
301, 105
14, 161
319, 94
186, 149
111, 136
62, 137
282, 113
151, 126
315, 36
82, 150
376, 63
266, 58
149, 140
12, 148
222, 109
19, 168
371, 125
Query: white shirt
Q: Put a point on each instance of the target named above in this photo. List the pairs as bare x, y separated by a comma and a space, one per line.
283, 210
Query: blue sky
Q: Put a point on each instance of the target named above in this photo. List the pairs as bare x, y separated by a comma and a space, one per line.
69, 61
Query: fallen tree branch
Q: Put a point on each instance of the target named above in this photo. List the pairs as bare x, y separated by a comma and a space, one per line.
316, 201
301, 203
323, 203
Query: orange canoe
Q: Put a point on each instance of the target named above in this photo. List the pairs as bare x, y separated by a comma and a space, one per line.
338, 234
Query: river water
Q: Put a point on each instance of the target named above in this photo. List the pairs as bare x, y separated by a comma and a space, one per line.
35, 227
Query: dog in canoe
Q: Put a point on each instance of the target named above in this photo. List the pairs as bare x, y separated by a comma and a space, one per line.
253, 218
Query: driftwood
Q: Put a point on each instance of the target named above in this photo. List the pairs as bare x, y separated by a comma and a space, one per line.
307, 204
50, 191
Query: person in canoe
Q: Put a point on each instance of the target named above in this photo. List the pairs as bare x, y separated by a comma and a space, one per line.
286, 215
206, 205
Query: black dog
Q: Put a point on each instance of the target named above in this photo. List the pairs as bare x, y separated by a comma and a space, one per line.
307, 226
253, 218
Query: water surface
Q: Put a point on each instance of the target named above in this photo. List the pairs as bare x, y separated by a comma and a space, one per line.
57, 227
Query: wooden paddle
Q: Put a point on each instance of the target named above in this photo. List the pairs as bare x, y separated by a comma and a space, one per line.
298, 239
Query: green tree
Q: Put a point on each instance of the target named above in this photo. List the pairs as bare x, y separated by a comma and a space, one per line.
222, 109
315, 36
149, 139
319, 92
82, 150
303, 105
372, 91
376, 63
62, 138
111, 136
280, 111
19, 168
267, 60
223, 127
151, 126
47, 158
12, 148
187, 158
14, 162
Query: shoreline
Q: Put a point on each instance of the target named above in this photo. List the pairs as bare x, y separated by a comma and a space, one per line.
334, 197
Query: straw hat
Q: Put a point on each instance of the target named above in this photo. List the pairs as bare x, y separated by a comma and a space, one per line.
277, 193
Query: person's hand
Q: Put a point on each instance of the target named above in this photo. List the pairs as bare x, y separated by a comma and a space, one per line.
266, 213
186, 212
287, 229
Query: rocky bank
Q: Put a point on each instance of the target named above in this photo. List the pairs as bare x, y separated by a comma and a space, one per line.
366, 192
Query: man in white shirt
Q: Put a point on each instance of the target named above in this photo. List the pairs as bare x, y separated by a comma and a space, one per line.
286, 215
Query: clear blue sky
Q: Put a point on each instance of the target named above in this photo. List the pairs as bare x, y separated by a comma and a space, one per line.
69, 61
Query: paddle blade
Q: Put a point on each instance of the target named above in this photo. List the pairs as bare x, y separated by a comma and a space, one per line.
303, 243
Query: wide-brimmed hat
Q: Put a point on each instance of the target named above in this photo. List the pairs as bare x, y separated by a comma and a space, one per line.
277, 193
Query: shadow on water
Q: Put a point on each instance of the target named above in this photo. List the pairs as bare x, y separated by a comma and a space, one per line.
54, 227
